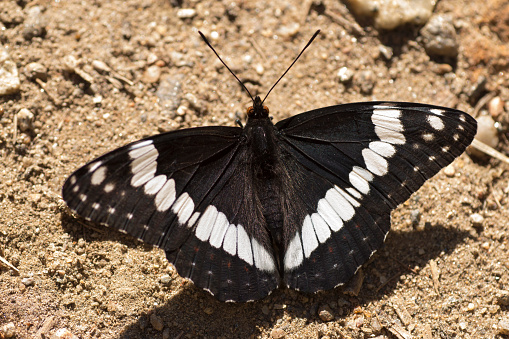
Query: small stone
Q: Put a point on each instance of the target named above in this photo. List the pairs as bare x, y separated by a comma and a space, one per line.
63, 333
470, 307
30, 281
156, 322
35, 70
169, 93
415, 217
486, 133
152, 74
165, 279
25, 120
289, 30
477, 219
495, 107
35, 23
166, 333
365, 80
186, 13
503, 326
11, 13
208, 310
386, 51
260, 69
502, 298
463, 325
101, 66
485, 246
345, 74
152, 58
277, 333
394, 13
440, 38
265, 309
9, 77
325, 313
450, 171
8, 330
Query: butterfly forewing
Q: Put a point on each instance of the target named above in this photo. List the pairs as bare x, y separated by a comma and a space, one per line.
367, 158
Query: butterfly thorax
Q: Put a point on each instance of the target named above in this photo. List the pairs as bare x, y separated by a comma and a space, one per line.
262, 144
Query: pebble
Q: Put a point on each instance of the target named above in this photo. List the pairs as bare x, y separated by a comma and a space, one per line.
101, 66
277, 333
28, 281
470, 307
288, 31
208, 310
502, 298
8, 330
165, 279
169, 93
495, 107
152, 74
166, 333
35, 23
325, 313
477, 219
35, 70
25, 120
450, 171
63, 333
265, 309
463, 325
156, 322
391, 14
486, 132
9, 77
11, 13
440, 38
415, 217
186, 13
503, 326
365, 80
345, 74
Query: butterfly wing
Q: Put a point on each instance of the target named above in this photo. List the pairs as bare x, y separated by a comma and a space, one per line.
185, 192
360, 161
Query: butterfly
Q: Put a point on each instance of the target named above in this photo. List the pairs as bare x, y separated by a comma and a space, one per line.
302, 203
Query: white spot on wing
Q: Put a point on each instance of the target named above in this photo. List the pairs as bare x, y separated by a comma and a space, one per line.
360, 178
155, 184
166, 196
437, 111
244, 245
144, 175
144, 164
329, 215
206, 223
183, 207
385, 149
72, 180
93, 166
193, 219
309, 240
342, 207
109, 187
294, 255
262, 258
428, 137
375, 163
230, 240
435, 122
96, 206
219, 230
354, 192
98, 176
322, 230
348, 197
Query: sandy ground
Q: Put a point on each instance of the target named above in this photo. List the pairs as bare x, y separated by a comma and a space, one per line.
443, 272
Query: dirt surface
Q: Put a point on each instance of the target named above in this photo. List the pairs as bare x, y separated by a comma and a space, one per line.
443, 272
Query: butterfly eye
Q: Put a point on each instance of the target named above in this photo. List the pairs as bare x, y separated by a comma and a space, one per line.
250, 110
266, 109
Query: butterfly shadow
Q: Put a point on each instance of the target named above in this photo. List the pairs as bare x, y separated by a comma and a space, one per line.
191, 311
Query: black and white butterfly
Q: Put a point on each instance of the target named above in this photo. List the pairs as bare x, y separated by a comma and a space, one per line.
302, 203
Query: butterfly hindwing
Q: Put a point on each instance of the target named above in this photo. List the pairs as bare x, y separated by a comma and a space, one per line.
187, 192
367, 158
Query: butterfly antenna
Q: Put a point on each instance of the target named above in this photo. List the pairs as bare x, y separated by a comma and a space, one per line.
225, 65
294, 61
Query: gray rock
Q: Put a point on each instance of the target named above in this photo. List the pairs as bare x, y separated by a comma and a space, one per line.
35, 23
8, 330
35, 70
9, 77
28, 281
169, 93
156, 322
440, 38
25, 120
11, 13
325, 313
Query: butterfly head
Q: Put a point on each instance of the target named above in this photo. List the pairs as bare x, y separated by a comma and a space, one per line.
258, 110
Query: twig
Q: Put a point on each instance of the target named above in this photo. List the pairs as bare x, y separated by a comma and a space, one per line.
44, 87
435, 275
489, 150
8, 264
46, 326
351, 27
258, 49
482, 102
